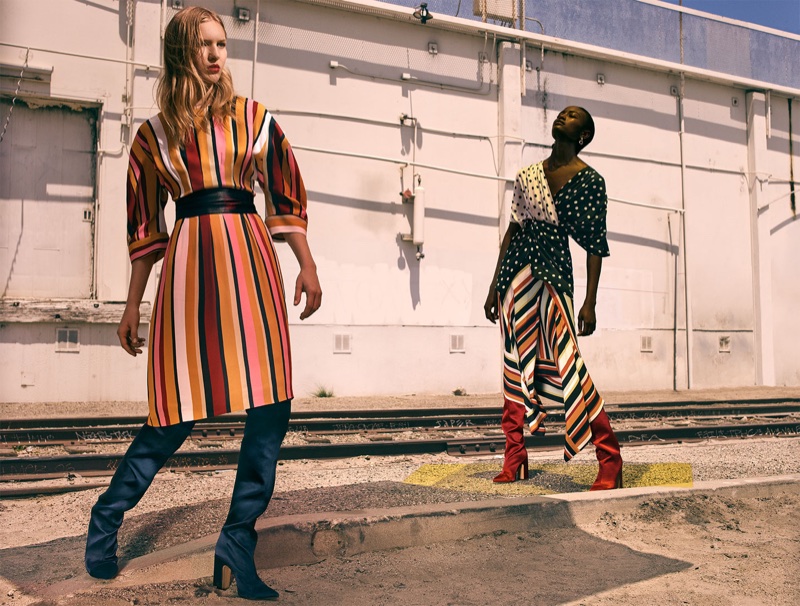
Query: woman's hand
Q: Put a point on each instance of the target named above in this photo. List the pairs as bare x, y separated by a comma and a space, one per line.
128, 331
587, 321
308, 282
490, 306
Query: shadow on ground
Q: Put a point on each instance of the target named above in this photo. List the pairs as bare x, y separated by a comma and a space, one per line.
546, 560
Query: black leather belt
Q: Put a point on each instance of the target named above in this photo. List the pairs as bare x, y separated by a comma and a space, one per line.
219, 200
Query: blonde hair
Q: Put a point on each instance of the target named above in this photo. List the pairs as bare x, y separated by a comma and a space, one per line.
182, 93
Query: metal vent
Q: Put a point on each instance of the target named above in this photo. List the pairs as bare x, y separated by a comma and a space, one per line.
646, 344
457, 344
498, 10
67, 340
342, 343
725, 345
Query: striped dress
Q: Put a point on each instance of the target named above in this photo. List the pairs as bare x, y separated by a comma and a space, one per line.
542, 362
219, 339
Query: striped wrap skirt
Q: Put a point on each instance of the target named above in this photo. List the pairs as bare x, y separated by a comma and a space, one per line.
542, 363
219, 334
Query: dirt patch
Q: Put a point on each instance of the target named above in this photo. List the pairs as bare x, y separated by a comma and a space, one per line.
699, 510
697, 550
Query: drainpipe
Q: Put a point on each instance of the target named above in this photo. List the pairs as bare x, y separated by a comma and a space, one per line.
791, 164
130, 15
255, 50
674, 310
686, 292
686, 295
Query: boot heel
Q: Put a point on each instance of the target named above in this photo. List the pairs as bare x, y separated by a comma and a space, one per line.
222, 574
507, 476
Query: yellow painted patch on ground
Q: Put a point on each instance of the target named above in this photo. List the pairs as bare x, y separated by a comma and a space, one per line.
430, 475
546, 478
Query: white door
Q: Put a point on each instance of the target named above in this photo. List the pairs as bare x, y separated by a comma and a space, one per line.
47, 189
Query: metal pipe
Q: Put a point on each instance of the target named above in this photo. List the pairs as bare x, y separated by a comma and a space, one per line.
407, 77
668, 209
613, 156
586, 152
454, 171
768, 99
686, 294
126, 133
255, 50
147, 66
674, 311
445, 22
569, 47
686, 290
793, 204
401, 162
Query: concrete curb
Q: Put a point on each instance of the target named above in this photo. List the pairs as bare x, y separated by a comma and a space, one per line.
311, 538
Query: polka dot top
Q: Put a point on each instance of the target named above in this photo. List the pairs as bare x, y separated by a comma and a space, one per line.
547, 221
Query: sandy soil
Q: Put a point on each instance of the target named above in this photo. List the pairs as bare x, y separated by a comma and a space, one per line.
698, 550
683, 550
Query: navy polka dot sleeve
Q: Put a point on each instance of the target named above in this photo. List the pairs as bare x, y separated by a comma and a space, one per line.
587, 224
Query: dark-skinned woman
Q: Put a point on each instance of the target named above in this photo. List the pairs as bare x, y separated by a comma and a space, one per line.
532, 296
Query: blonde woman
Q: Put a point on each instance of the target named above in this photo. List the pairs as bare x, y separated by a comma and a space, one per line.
219, 339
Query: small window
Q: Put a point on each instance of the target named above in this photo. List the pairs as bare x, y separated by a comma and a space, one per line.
67, 340
457, 344
342, 343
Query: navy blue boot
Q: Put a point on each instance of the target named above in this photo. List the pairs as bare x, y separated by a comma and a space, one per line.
145, 456
255, 480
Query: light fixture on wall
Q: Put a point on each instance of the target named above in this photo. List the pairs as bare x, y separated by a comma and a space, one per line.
433, 48
601, 79
242, 14
177, 5
422, 13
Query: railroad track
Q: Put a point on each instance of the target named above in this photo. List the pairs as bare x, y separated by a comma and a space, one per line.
712, 420
97, 430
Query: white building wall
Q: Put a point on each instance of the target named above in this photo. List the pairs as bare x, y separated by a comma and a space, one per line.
781, 235
400, 312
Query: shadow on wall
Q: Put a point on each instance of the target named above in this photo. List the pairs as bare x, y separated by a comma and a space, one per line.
781, 225
309, 45
640, 241
15, 254
407, 259
396, 208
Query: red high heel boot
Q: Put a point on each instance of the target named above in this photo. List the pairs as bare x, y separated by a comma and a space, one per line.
515, 462
608, 455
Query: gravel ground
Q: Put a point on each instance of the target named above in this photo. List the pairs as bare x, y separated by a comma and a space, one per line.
44, 536
27, 521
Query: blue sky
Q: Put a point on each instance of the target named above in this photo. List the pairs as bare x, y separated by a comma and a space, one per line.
780, 14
